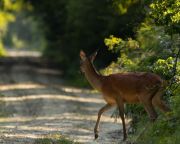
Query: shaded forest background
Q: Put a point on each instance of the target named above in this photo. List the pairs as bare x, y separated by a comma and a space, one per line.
68, 26
131, 35
60, 29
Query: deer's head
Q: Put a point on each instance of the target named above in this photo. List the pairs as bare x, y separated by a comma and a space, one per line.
85, 61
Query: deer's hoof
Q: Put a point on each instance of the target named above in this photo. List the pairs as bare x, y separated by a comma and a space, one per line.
95, 136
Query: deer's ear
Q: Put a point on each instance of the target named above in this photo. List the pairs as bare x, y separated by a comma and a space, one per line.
93, 56
82, 55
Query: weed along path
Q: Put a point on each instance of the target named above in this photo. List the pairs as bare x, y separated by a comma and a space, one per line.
35, 104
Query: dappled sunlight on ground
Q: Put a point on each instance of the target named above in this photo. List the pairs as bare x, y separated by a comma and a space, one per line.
67, 116
44, 96
20, 86
70, 89
39, 105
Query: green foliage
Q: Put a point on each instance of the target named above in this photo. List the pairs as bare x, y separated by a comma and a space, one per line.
74, 25
7, 10
152, 50
122, 6
128, 52
156, 51
113, 42
164, 67
165, 130
5, 18
117, 44
6, 15
166, 13
24, 32
2, 50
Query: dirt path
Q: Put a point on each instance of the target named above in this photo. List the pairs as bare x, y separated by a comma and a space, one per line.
39, 105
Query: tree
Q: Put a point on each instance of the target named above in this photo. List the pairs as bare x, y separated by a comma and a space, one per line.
73, 25
8, 10
166, 13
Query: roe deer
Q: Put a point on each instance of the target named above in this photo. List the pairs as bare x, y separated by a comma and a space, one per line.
117, 89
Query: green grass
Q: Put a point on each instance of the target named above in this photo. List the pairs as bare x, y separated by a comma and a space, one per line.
165, 130
61, 140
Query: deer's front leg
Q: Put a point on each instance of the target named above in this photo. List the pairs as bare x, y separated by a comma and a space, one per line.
103, 109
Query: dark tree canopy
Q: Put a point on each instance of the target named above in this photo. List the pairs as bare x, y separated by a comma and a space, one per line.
73, 25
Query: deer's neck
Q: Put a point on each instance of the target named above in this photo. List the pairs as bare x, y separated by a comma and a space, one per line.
93, 77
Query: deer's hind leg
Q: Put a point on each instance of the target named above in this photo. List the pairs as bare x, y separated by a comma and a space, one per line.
120, 105
157, 101
147, 102
150, 110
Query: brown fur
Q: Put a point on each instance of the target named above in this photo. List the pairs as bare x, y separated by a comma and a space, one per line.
121, 88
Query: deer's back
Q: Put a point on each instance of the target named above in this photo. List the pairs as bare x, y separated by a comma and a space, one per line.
129, 86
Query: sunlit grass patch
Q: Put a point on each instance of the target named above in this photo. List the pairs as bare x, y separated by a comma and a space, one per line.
55, 139
61, 140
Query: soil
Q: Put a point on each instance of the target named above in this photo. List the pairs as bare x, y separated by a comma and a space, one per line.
35, 103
